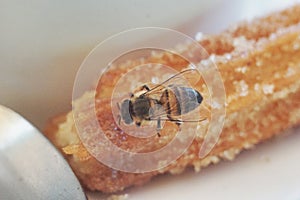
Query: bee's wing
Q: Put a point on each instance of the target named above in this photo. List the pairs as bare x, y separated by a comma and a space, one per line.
162, 114
188, 77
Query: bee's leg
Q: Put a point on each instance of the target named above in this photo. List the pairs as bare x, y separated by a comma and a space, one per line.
145, 87
158, 128
138, 124
178, 123
157, 102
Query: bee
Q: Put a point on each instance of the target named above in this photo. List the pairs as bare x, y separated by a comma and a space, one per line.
167, 101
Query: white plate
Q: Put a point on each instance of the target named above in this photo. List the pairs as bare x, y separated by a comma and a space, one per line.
44, 43
268, 172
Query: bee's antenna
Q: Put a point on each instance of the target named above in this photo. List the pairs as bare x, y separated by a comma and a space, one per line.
178, 120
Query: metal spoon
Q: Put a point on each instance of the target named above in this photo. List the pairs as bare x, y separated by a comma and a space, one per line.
30, 166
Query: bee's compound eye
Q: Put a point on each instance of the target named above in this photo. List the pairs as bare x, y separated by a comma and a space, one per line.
125, 112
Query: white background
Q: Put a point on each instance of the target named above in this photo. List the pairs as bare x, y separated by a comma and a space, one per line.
42, 44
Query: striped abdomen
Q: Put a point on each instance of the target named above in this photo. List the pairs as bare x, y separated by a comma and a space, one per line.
178, 100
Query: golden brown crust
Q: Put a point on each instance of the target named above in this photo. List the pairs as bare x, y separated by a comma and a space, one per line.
259, 63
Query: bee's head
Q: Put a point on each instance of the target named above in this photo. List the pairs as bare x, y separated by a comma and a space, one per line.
125, 111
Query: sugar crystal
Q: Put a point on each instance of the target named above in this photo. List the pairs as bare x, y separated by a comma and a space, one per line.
290, 71
259, 63
154, 80
215, 104
242, 69
242, 88
199, 36
296, 46
268, 88
256, 87
228, 56
277, 75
